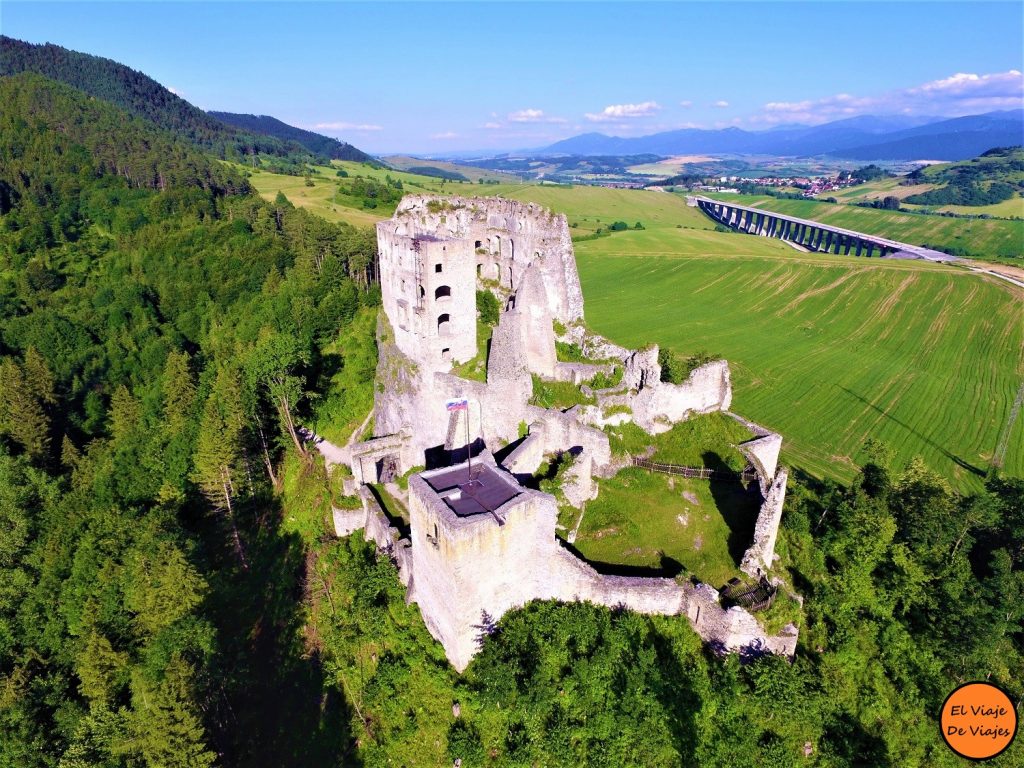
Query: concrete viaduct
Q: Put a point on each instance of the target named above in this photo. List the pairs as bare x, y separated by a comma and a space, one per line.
810, 235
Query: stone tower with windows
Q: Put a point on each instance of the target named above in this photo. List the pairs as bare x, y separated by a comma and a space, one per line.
432, 253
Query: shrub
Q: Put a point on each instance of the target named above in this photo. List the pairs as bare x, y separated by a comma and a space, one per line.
488, 307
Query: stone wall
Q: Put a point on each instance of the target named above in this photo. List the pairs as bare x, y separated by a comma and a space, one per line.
733, 629
578, 373
376, 527
432, 251
761, 553
658, 406
528, 455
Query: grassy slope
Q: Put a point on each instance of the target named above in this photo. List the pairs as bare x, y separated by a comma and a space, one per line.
876, 190
992, 237
828, 350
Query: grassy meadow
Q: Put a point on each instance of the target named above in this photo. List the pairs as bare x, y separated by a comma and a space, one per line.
828, 350
693, 526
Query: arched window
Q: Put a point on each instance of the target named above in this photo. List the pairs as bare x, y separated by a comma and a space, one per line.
443, 324
442, 292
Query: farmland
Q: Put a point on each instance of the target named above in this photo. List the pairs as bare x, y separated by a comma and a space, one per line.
829, 351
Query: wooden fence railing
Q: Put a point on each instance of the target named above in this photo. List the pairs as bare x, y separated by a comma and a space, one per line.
703, 473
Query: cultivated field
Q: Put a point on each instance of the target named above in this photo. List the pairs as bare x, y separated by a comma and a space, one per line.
828, 350
881, 188
977, 237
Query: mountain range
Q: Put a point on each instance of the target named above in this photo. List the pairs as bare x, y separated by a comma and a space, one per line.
866, 137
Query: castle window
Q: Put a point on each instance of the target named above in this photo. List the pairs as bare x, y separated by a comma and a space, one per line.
478, 244
443, 324
437, 267
442, 292
446, 354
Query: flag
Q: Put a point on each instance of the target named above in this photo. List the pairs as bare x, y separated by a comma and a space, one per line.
459, 404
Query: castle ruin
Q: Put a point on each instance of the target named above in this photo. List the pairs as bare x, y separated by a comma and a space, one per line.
481, 541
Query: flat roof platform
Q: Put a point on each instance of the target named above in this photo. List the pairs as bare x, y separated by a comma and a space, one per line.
467, 495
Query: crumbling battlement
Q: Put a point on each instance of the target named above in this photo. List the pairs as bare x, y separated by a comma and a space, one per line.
433, 250
482, 542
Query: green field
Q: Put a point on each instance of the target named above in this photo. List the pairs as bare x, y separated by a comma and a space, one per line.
881, 188
828, 350
977, 237
659, 522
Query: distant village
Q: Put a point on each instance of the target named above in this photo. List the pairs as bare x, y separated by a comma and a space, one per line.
811, 186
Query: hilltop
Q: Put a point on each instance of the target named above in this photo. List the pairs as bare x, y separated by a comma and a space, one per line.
143, 97
995, 176
318, 144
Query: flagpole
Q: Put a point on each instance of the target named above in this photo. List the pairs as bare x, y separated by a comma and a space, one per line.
469, 448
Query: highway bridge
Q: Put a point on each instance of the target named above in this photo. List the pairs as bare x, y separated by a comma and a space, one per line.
810, 235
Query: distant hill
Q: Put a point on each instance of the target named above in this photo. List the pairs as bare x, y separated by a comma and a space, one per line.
316, 143
995, 176
960, 138
143, 97
866, 137
50, 133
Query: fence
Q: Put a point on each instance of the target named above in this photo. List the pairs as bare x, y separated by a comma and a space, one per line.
703, 473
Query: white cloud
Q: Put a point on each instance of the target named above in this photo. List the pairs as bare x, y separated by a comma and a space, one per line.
533, 116
346, 127
619, 111
445, 135
686, 104
721, 104
176, 91
958, 94
492, 126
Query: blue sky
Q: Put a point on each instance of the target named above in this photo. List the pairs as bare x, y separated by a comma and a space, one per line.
431, 77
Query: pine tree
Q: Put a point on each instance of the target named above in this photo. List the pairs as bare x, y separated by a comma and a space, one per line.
21, 415
219, 449
39, 377
179, 392
168, 729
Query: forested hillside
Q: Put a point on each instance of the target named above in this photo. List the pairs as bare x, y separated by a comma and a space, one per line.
159, 328
322, 146
995, 176
144, 97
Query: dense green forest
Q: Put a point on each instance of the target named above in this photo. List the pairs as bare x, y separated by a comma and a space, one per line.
145, 98
172, 595
321, 146
159, 330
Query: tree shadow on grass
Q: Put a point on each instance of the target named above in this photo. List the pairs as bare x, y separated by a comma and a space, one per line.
920, 436
273, 704
738, 504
